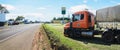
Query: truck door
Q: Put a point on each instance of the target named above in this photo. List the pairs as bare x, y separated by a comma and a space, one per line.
89, 20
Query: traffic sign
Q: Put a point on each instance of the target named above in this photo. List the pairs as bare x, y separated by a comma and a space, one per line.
63, 10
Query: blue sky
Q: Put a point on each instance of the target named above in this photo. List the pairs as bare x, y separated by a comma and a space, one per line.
45, 10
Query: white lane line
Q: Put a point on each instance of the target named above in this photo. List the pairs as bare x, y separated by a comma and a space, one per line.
23, 30
4, 29
11, 36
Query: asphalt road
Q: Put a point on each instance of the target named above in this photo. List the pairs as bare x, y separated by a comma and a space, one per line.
18, 37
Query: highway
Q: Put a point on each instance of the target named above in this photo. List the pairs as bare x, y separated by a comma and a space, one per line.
18, 37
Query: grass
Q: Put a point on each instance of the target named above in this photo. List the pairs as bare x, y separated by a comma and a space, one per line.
78, 44
56, 32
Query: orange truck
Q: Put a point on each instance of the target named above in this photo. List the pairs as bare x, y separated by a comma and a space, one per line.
105, 23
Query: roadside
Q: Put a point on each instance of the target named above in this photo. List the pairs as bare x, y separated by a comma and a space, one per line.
59, 41
40, 41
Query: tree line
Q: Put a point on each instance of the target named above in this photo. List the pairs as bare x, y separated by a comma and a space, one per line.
61, 18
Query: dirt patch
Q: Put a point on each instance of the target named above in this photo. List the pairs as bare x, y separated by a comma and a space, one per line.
55, 41
40, 41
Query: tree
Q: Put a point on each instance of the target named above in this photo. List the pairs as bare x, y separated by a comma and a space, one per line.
11, 20
61, 18
54, 18
19, 18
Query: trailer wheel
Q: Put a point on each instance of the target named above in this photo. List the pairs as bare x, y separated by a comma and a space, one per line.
118, 38
108, 37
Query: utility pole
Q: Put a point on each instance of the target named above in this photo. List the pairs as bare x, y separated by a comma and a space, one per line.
69, 17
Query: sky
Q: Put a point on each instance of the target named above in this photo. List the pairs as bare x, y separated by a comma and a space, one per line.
45, 10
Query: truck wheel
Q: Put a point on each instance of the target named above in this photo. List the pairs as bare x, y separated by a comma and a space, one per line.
66, 33
70, 33
118, 38
108, 37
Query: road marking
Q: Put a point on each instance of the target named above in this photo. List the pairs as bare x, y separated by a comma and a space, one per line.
11, 36
4, 29
16, 33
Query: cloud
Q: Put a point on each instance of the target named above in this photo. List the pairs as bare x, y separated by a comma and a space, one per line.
95, 0
93, 11
9, 7
115, 2
30, 16
41, 8
33, 14
78, 8
118, 3
81, 8
84, 1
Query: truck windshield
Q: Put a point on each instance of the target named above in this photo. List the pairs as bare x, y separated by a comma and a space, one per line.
78, 17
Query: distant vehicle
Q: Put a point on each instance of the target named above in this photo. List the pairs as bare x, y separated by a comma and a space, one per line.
37, 21
26, 21
15, 23
10, 22
107, 22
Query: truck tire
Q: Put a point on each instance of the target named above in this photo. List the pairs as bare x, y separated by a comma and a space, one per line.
65, 33
68, 33
118, 38
108, 37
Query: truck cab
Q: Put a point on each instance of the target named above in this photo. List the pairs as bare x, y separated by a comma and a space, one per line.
81, 21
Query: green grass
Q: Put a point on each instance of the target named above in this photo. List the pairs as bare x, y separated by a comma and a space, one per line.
94, 44
56, 31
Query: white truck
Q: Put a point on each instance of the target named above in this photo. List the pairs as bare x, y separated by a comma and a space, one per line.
3, 12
